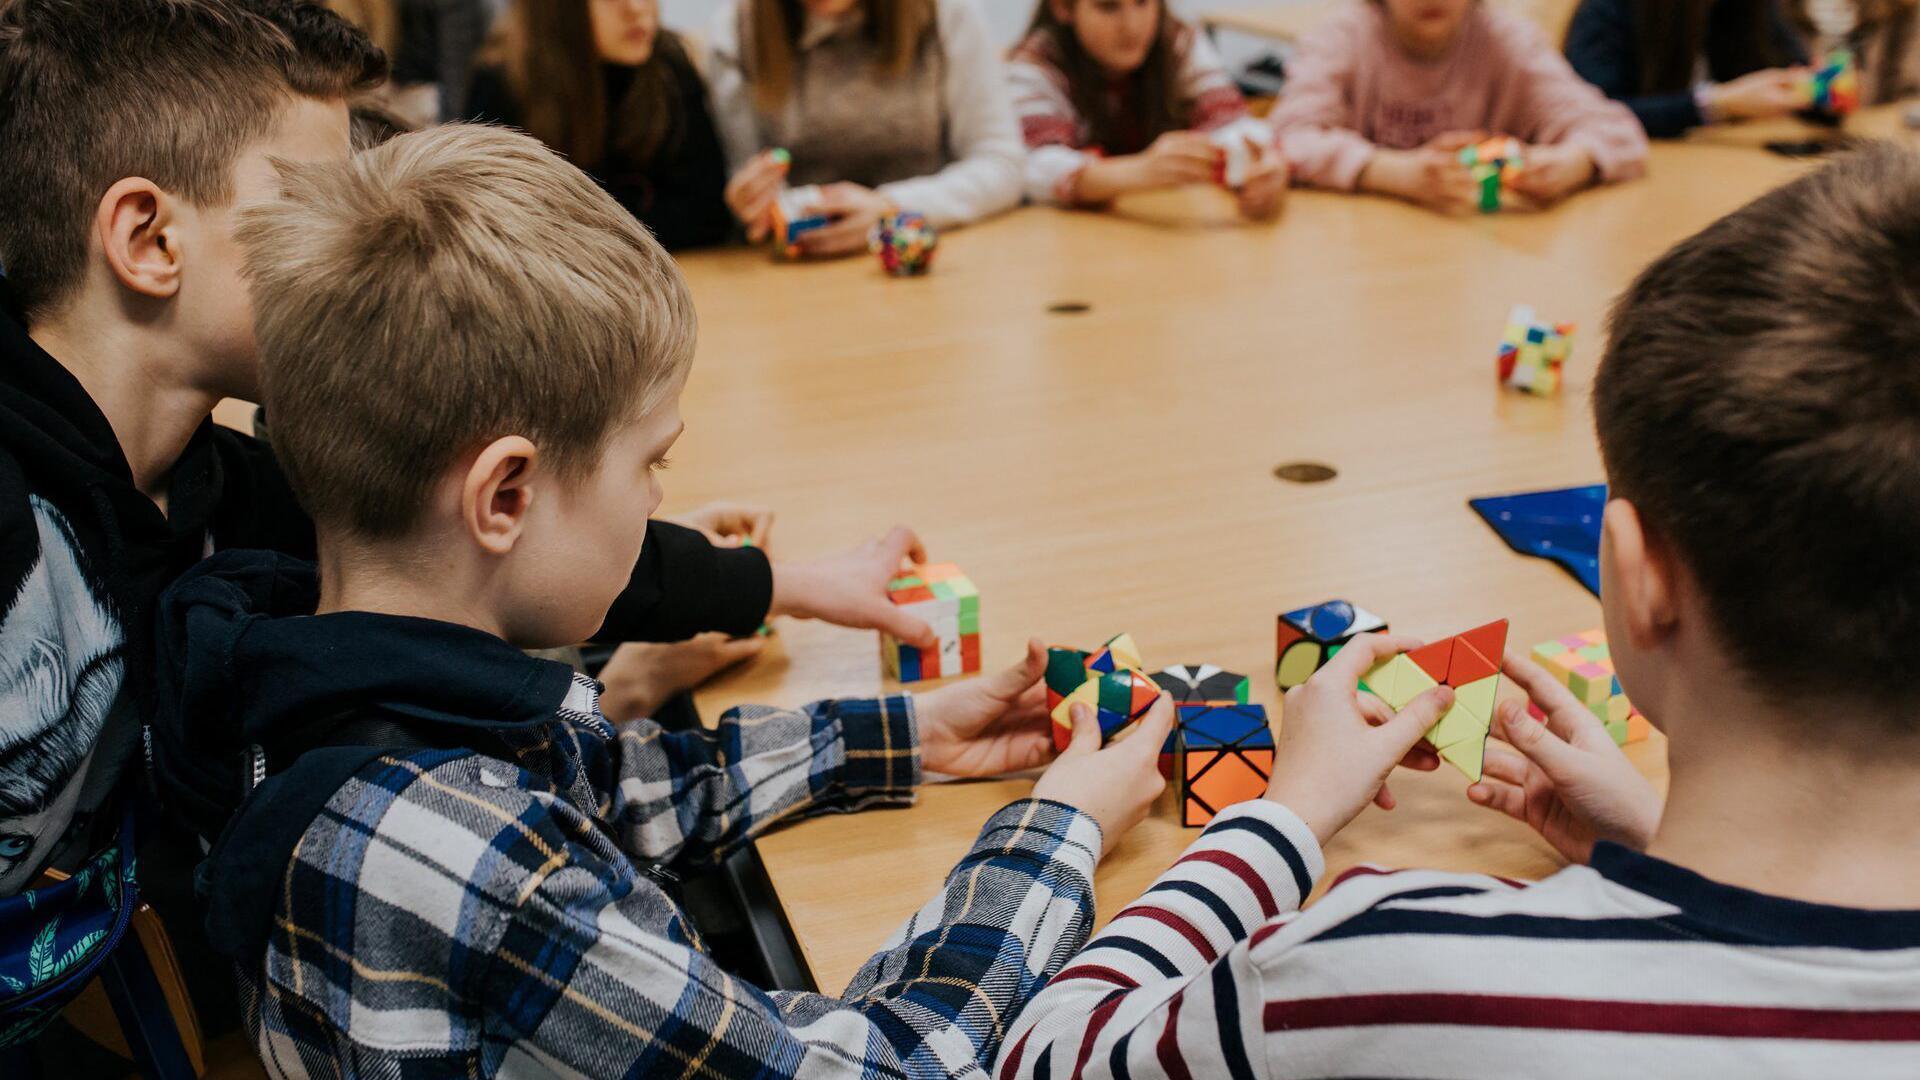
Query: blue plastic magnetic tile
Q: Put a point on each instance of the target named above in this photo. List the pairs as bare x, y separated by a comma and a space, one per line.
1562, 525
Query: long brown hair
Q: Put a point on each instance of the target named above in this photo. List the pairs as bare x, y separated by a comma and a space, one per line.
1673, 35
1151, 95
546, 50
894, 27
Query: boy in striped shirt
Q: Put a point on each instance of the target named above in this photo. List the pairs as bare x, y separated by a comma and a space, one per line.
1759, 414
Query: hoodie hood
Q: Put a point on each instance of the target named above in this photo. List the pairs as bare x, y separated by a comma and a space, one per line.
244, 661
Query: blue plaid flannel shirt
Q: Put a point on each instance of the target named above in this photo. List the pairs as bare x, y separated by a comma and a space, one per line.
453, 914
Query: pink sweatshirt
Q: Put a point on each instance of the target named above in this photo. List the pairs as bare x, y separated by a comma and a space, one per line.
1351, 88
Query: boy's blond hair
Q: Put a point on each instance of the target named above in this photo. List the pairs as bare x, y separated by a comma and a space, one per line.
442, 290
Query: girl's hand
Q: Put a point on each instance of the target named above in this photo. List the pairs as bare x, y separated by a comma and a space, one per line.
1552, 173
1266, 188
1429, 176
1175, 158
1760, 95
854, 210
752, 191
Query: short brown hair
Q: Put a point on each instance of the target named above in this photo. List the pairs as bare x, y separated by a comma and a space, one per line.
92, 91
441, 290
1759, 402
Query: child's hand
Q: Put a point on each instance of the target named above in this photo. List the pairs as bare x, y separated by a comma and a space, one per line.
1175, 158
1759, 95
1554, 172
1266, 187
751, 192
1568, 780
727, 524
1336, 747
1114, 786
1430, 176
988, 726
641, 676
850, 589
854, 210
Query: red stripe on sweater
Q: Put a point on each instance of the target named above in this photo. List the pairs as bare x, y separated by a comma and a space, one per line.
1167, 1050
1012, 1067
1098, 973
1102, 1013
1177, 924
1583, 1014
1239, 868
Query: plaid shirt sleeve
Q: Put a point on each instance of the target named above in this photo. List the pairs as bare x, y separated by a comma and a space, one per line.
693, 796
590, 984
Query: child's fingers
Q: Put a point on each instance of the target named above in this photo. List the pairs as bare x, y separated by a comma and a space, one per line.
1384, 798
1410, 724
1422, 758
915, 632
902, 544
1499, 795
1536, 742
1086, 731
1358, 656
1155, 726
1565, 713
1011, 682
1503, 764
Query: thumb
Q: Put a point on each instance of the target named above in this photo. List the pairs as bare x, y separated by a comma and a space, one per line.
736, 650
1535, 741
1086, 731
1410, 724
914, 632
1011, 682
1156, 725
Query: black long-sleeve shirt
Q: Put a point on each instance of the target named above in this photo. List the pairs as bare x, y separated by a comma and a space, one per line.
680, 194
1603, 45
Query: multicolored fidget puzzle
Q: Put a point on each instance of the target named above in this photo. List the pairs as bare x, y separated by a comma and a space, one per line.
1584, 664
1834, 87
942, 596
1494, 164
905, 244
1532, 354
1470, 663
1110, 681
1221, 751
1308, 638
794, 216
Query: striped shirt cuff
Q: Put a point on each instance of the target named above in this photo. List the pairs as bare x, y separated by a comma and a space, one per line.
881, 745
1261, 841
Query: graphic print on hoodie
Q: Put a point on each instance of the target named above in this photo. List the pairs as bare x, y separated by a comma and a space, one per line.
64, 659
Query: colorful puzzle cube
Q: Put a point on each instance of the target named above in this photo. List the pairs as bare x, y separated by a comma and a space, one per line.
1493, 163
1197, 684
1834, 87
1223, 755
1470, 663
1236, 149
1532, 354
1584, 664
795, 213
942, 596
905, 244
1111, 681
1308, 638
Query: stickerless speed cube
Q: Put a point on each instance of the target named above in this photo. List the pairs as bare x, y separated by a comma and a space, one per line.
941, 595
1583, 663
1533, 354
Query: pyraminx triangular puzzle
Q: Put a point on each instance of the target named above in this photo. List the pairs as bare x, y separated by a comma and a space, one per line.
1110, 681
1470, 663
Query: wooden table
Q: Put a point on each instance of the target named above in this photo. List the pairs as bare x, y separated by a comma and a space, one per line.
1113, 470
1290, 20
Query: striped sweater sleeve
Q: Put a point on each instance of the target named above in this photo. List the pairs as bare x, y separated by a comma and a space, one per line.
1168, 988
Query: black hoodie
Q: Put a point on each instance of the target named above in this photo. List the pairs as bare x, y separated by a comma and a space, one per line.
83, 559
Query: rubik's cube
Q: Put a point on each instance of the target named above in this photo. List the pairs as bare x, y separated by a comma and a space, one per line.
1308, 638
1834, 87
1584, 664
795, 214
1197, 684
1470, 663
942, 596
1223, 755
1532, 354
905, 244
1110, 681
1493, 164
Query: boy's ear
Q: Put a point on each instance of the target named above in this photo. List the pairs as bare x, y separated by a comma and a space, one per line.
497, 493
137, 229
1641, 576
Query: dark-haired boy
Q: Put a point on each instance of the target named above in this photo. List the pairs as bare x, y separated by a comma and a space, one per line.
1759, 413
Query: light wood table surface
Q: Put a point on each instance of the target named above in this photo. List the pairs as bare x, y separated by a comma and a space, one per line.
1113, 470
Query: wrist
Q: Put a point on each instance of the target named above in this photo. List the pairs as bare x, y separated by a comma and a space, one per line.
789, 591
1323, 817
